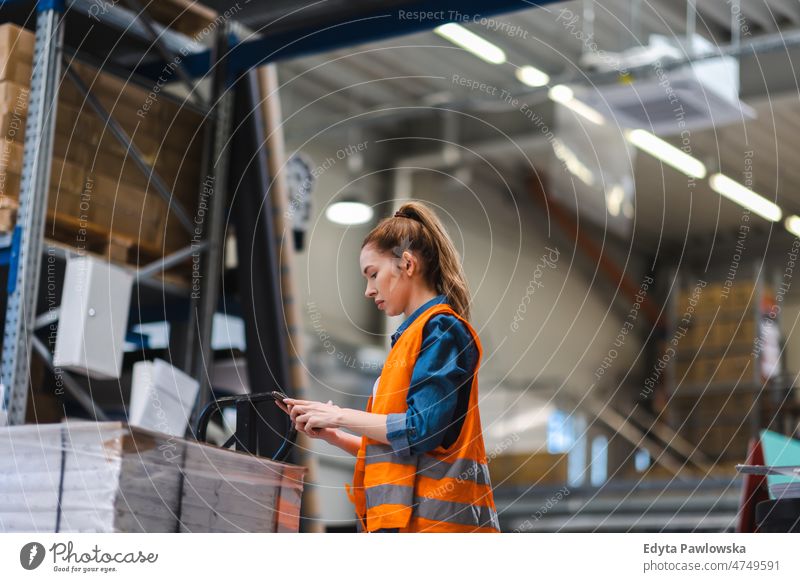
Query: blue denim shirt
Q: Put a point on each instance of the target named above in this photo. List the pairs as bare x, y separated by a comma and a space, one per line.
440, 384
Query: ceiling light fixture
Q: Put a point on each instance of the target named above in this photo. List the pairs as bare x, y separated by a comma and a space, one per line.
532, 76
667, 153
745, 197
471, 42
349, 212
566, 97
792, 224
573, 164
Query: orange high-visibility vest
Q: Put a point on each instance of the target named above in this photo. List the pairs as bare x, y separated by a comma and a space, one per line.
443, 490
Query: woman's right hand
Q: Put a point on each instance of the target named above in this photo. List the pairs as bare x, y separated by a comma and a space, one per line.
326, 434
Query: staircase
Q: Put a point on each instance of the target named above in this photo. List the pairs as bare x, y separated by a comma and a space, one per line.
687, 505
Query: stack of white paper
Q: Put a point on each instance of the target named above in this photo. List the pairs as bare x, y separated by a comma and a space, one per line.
111, 477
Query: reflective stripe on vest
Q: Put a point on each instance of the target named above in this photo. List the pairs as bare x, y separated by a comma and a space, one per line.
433, 509
436, 469
431, 467
442, 490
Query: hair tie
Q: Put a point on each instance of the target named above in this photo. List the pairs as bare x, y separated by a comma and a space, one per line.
401, 214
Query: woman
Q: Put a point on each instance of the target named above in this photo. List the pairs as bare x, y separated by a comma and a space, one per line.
420, 458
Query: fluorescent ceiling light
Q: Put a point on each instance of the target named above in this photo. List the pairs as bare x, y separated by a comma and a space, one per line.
566, 97
573, 164
792, 224
471, 42
349, 213
667, 153
561, 94
532, 76
615, 196
732, 190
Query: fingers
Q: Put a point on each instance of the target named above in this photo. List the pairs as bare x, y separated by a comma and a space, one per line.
299, 409
296, 411
310, 424
293, 401
312, 432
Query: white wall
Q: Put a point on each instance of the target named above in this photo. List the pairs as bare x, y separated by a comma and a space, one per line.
568, 326
328, 269
567, 329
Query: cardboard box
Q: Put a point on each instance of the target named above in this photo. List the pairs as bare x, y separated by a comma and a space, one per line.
138, 110
121, 201
735, 369
528, 469
72, 127
126, 211
61, 201
682, 370
104, 158
14, 98
74, 124
16, 40
114, 92
687, 371
8, 215
16, 70
12, 126
63, 175
734, 335
703, 369
718, 369
10, 158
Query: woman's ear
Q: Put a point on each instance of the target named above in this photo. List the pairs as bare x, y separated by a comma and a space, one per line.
408, 263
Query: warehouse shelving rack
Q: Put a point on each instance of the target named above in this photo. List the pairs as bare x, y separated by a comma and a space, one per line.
770, 402
235, 96
26, 244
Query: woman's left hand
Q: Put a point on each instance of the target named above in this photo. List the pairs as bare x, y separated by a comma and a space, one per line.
309, 416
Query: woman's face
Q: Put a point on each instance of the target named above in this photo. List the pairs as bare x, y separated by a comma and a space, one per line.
388, 279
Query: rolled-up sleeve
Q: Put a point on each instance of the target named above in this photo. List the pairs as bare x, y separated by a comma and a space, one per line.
445, 363
397, 433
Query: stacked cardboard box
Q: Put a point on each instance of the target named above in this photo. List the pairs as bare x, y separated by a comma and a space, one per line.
111, 477
528, 468
718, 424
721, 333
96, 188
716, 366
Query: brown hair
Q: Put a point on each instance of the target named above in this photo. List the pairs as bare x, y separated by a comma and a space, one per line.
415, 227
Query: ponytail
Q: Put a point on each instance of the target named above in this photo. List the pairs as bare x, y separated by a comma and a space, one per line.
415, 227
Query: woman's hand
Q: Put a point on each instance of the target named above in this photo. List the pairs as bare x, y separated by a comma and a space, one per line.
322, 420
329, 435
326, 434
313, 417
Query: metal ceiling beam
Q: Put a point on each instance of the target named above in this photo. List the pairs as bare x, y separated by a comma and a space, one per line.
341, 30
716, 12
128, 21
398, 111
789, 8
300, 79
759, 13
